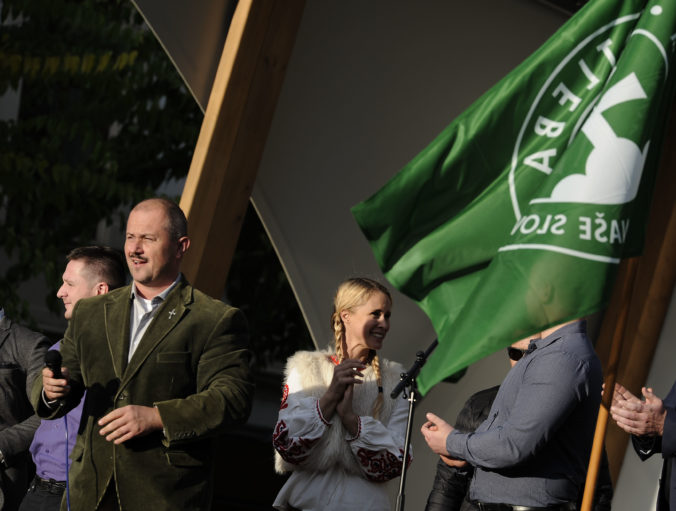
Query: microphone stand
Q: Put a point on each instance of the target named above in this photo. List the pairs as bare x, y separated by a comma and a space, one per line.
408, 381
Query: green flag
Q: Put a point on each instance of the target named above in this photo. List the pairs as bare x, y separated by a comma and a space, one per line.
516, 216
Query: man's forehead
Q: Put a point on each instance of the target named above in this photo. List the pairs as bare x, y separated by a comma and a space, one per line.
145, 230
75, 268
147, 220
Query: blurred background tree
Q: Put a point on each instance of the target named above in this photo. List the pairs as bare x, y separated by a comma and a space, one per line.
103, 121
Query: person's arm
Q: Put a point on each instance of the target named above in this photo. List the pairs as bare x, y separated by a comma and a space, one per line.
646, 446
72, 392
449, 488
224, 386
28, 349
546, 396
338, 397
669, 431
451, 482
300, 424
378, 446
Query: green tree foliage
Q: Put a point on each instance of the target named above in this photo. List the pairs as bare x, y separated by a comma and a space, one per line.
103, 120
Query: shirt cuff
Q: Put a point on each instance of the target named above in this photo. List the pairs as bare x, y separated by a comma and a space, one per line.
52, 405
319, 414
164, 430
353, 438
454, 444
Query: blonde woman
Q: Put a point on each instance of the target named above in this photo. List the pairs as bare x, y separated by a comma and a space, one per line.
339, 433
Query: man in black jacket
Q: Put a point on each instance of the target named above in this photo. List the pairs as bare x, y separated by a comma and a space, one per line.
22, 355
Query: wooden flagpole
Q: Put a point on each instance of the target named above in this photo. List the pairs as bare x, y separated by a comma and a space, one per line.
626, 281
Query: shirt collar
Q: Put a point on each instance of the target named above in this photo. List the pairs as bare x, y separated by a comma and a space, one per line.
162, 295
576, 327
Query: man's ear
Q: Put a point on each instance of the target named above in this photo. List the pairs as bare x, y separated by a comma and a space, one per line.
183, 245
101, 288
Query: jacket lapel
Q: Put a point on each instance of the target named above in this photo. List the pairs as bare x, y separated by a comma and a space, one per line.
167, 317
116, 313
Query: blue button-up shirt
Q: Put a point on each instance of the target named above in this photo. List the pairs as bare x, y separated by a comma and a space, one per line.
49, 448
534, 447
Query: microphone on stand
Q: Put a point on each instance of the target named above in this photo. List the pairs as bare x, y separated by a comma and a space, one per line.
420, 359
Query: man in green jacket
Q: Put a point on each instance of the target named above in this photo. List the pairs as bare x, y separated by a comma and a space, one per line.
166, 369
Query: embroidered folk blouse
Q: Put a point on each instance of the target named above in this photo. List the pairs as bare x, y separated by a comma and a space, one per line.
331, 469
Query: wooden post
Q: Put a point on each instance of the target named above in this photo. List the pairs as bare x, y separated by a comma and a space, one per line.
626, 284
233, 134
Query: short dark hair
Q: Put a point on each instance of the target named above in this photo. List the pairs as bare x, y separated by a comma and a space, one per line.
104, 263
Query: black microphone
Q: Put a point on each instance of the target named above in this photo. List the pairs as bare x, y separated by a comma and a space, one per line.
420, 359
53, 362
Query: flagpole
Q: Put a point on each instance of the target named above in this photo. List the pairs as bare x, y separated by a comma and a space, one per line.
609, 383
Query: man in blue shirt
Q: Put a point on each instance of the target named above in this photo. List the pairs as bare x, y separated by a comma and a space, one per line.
532, 450
90, 271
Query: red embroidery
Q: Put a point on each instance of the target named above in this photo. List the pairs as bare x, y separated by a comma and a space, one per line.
335, 360
294, 451
380, 466
285, 394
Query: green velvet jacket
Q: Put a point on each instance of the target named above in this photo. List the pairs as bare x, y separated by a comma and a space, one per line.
192, 364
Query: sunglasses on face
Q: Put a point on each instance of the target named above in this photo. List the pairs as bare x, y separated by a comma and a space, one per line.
515, 353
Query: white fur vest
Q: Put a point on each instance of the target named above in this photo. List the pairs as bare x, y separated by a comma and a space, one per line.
316, 370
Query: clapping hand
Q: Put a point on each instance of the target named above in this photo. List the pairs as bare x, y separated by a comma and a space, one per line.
345, 375
635, 416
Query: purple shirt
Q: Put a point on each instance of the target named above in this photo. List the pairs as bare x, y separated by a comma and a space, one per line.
48, 447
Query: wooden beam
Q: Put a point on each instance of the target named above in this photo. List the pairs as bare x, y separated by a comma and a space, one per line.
233, 134
653, 288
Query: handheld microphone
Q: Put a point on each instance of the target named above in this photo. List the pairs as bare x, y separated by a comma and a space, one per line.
53, 362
